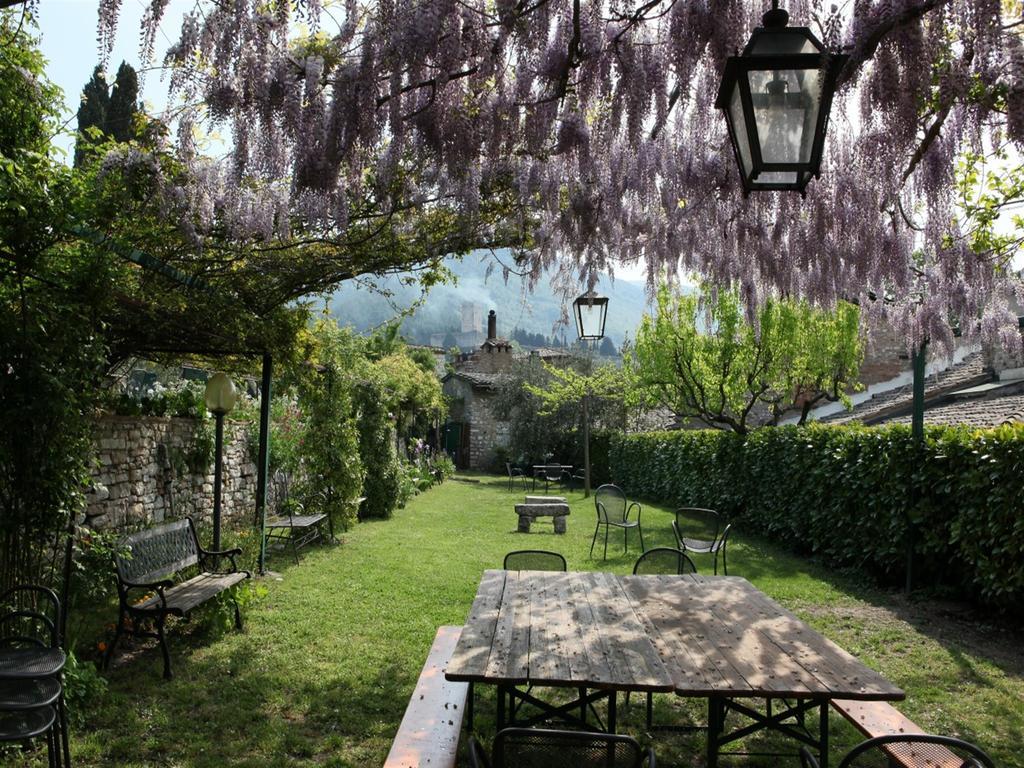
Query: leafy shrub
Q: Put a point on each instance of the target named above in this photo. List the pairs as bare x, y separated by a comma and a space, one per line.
83, 688
850, 495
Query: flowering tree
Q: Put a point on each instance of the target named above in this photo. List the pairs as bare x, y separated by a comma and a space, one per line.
588, 128
697, 357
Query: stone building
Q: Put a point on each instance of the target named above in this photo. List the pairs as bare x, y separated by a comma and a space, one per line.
473, 431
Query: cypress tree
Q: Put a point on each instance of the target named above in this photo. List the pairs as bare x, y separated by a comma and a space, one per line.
92, 112
120, 122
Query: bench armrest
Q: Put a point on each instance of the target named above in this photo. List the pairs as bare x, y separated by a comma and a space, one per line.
204, 554
124, 586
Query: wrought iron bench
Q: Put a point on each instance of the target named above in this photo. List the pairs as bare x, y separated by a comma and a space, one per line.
290, 529
145, 566
429, 734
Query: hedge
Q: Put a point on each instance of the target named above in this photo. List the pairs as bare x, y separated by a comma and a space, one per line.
848, 494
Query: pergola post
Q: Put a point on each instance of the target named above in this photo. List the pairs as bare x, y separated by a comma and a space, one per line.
263, 459
917, 435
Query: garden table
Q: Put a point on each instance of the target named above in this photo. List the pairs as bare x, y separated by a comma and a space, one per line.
713, 637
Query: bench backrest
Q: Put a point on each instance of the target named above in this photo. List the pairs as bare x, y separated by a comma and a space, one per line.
159, 552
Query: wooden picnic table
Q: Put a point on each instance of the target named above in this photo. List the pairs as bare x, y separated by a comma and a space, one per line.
713, 637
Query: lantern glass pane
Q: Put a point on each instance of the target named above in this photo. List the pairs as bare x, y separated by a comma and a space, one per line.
739, 126
786, 104
590, 319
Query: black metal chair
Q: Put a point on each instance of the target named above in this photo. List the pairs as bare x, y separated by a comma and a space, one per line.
31, 664
704, 547
537, 748
534, 560
908, 749
663, 560
614, 511
513, 473
551, 473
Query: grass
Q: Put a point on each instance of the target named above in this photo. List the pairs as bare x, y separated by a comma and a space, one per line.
332, 648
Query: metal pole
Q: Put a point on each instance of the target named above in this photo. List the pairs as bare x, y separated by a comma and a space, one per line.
217, 479
586, 446
263, 460
917, 436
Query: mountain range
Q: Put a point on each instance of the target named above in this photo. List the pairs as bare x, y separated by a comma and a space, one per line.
539, 312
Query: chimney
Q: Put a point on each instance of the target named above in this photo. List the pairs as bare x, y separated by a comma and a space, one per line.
492, 326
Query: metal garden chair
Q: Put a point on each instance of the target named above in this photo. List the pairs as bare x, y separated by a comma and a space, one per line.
702, 546
664, 560
614, 511
534, 560
513, 473
909, 749
31, 664
537, 748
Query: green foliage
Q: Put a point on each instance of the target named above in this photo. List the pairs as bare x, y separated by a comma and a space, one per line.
51, 354
543, 405
989, 190
84, 687
796, 355
844, 494
328, 445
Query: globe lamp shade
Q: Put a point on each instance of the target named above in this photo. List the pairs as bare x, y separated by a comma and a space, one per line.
776, 98
591, 311
220, 394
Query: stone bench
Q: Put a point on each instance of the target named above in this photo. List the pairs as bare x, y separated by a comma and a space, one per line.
554, 507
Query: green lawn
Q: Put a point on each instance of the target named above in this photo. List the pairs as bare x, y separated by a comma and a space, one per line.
322, 673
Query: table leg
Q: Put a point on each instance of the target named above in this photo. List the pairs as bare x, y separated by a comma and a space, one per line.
469, 708
714, 728
823, 735
501, 707
611, 711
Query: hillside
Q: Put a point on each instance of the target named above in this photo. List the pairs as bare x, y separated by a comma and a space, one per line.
534, 313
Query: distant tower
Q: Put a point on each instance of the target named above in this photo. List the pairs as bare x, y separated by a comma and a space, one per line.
472, 317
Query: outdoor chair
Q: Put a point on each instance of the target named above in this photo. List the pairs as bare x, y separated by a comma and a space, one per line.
614, 511
536, 747
513, 473
663, 560
551, 473
703, 547
31, 665
911, 749
534, 560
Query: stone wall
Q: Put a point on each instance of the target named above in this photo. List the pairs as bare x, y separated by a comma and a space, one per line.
885, 356
141, 478
473, 406
486, 431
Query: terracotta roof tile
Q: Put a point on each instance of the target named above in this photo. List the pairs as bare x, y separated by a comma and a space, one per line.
992, 412
970, 371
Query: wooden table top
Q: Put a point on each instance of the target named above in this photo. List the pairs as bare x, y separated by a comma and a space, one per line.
696, 635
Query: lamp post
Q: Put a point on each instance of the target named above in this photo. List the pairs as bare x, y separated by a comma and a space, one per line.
591, 311
776, 98
220, 399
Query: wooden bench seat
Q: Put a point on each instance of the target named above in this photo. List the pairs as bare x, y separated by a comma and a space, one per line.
183, 597
429, 734
879, 718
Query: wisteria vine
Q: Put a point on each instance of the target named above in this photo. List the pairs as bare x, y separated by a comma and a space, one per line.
598, 119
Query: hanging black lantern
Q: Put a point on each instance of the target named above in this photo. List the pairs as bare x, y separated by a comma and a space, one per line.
776, 98
591, 311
